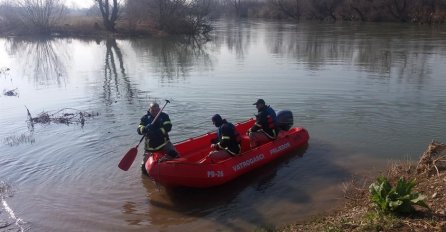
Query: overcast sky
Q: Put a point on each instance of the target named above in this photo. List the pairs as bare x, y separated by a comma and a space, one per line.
72, 3
79, 3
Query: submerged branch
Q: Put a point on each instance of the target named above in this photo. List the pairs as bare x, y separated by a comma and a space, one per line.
10, 93
62, 116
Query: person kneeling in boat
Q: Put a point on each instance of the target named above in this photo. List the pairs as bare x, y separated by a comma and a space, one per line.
156, 134
228, 140
264, 130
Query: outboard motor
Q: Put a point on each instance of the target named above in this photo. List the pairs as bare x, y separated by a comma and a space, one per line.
285, 120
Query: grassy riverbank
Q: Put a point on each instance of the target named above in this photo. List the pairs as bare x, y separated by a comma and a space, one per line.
360, 214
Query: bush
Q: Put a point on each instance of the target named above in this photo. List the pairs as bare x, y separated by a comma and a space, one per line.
396, 199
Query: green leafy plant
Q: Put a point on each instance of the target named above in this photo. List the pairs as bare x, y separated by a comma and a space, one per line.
395, 199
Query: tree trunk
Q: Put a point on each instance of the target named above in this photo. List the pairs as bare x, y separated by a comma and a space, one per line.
361, 15
109, 18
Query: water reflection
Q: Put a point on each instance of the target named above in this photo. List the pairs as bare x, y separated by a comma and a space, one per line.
371, 48
44, 58
416, 66
177, 206
174, 58
237, 36
112, 77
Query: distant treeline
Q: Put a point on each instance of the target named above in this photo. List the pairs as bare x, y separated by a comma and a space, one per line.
195, 16
414, 11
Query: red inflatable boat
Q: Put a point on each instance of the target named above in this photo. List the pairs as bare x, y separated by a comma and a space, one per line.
196, 169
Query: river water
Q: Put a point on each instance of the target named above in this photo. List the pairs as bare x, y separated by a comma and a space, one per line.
368, 94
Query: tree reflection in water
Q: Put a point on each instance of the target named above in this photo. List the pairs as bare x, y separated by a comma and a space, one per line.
174, 58
111, 75
44, 58
371, 48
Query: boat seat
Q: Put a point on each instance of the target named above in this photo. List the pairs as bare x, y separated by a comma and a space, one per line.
245, 144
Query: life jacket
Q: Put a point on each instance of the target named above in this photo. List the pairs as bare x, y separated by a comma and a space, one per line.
158, 137
266, 120
271, 117
229, 138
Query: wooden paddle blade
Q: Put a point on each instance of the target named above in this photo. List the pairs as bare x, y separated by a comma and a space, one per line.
128, 159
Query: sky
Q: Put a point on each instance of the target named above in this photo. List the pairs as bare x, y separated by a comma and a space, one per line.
79, 3
72, 3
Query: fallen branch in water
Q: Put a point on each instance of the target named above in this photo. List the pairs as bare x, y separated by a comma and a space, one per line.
4, 70
12, 92
63, 116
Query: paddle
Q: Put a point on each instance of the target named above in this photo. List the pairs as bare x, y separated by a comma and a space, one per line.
128, 158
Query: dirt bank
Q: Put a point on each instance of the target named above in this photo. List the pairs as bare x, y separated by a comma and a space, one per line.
360, 214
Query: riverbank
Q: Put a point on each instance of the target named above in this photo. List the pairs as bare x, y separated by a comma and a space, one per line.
360, 214
81, 27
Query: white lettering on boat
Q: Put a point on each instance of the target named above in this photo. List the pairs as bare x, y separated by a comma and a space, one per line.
212, 174
248, 162
279, 148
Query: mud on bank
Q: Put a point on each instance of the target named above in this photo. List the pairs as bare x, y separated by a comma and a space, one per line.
360, 214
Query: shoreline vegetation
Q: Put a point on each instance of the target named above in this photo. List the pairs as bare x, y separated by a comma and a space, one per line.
194, 17
360, 213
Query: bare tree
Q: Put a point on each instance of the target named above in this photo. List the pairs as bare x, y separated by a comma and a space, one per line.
399, 9
197, 18
171, 16
163, 12
431, 11
321, 9
366, 10
109, 12
243, 8
236, 4
180, 16
41, 15
359, 9
291, 8
9, 17
136, 12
